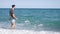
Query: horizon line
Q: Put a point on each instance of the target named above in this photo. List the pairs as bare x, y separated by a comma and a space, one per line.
49, 8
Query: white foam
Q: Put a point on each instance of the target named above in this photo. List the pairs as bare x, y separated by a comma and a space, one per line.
8, 31
27, 21
40, 25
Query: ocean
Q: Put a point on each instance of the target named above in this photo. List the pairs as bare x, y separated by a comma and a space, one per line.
36, 19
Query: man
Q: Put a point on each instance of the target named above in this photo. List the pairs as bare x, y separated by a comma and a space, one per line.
12, 17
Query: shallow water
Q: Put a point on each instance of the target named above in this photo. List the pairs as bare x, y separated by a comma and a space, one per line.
36, 19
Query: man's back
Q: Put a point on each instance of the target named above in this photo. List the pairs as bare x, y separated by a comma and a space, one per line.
11, 13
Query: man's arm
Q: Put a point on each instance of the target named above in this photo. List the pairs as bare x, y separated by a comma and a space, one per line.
14, 16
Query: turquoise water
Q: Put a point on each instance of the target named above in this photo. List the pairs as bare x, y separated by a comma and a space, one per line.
33, 18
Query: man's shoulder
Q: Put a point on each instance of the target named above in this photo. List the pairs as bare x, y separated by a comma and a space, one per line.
11, 9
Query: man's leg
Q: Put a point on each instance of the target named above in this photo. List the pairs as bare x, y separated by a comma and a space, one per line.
13, 25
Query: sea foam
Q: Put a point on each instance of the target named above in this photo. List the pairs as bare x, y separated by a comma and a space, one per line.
9, 31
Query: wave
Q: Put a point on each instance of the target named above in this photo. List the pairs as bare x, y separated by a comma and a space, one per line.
9, 31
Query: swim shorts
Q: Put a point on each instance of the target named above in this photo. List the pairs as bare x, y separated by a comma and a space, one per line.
12, 20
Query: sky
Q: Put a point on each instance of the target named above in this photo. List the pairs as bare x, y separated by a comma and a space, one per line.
30, 3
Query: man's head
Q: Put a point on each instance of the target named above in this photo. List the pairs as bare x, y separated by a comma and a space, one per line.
13, 6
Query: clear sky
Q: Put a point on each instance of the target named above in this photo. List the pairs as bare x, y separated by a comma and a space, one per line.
30, 3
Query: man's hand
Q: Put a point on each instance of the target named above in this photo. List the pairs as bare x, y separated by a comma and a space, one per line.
16, 18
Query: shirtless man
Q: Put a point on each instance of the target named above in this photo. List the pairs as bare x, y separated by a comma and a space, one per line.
12, 17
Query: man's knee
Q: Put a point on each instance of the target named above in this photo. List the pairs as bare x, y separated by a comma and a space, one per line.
13, 24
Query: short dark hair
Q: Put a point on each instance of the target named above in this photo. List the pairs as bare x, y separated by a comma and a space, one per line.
13, 5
